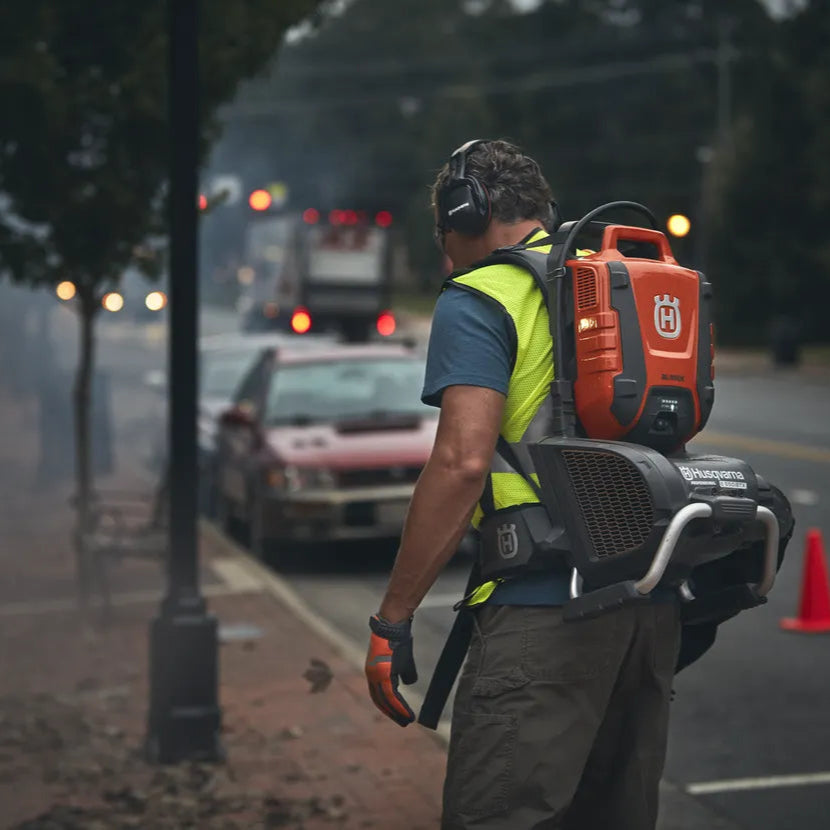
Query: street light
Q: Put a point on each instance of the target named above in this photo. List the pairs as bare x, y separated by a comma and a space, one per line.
65, 290
112, 301
678, 225
184, 719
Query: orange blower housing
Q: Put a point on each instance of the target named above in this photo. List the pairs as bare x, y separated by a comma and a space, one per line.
643, 361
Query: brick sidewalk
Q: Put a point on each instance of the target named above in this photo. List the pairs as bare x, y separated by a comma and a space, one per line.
73, 697
73, 700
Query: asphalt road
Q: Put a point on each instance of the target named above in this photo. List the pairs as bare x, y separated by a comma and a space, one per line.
750, 722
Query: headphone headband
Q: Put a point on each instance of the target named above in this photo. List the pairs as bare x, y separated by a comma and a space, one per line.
458, 159
463, 204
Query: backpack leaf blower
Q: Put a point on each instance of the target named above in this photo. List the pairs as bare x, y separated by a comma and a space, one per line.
633, 356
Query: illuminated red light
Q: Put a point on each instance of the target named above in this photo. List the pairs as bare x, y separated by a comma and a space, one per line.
386, 323
336, 217
311, 216
383, 218
300, 321
349, 217
202, 201
260, 200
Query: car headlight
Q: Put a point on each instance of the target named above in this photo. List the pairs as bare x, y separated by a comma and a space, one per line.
293, 479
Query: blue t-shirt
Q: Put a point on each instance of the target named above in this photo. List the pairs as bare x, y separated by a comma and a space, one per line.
473, 343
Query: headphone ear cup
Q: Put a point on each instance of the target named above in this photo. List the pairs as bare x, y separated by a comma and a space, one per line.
465, 207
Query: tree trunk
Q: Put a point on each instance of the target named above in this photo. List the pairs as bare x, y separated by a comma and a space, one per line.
82, 394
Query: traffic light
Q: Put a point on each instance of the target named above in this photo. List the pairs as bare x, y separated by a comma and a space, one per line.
260, 200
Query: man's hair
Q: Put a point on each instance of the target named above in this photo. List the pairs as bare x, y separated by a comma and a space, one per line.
514, 181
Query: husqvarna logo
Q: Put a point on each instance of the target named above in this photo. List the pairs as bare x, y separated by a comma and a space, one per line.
667, 316
508, 541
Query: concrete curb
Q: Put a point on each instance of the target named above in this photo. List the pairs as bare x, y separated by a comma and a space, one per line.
275, 585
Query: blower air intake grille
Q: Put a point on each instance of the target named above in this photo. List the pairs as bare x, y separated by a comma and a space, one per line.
614, 501
586, 288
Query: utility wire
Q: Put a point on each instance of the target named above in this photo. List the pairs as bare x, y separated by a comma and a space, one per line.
551, 79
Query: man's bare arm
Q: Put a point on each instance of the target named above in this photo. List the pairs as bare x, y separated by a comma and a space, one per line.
445, 495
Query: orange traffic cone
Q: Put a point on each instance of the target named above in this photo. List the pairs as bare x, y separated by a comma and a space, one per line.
814, 606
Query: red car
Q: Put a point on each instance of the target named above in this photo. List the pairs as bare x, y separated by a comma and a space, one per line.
324, 444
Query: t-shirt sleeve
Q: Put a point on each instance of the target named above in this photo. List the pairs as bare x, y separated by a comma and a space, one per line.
472, 342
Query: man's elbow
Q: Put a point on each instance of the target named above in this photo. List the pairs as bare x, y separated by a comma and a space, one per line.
465, 468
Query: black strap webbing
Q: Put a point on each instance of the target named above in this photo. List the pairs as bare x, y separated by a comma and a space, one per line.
450, 661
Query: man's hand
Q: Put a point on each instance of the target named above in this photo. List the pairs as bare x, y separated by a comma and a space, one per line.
390, 658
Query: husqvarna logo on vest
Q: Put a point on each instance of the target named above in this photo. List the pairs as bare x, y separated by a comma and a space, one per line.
667, 316
508, 541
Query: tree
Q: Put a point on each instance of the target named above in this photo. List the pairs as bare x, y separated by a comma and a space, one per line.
84, 157
613, 97
772, 258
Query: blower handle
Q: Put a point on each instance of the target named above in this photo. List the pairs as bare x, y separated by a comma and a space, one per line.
561, 388
570, 230
614, 233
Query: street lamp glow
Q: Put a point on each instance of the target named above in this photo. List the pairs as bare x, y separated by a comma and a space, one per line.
112, 301
155, 300
65, 290
678, 224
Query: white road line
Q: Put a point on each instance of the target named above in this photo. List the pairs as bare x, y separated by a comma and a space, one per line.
768, 782
234, 574
809, 498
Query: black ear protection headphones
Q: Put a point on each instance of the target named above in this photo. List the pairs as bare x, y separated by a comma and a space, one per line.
464, 204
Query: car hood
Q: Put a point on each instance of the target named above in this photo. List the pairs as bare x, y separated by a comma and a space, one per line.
325, 445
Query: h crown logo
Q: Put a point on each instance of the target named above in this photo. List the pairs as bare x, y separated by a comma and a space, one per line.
667, 316
508, 540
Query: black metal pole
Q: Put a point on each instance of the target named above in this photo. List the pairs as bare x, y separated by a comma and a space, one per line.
184, 715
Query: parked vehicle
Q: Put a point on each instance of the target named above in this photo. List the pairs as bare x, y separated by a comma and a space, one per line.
137, 298
324, 444
224, 360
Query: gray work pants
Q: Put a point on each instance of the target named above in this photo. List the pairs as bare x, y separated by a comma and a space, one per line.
561, 724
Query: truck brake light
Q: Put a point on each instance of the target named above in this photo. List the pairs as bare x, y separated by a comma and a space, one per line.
300, 321
386, 323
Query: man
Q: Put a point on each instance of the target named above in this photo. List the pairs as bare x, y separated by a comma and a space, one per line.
555, 725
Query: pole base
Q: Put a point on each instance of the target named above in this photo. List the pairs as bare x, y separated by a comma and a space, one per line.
184, 718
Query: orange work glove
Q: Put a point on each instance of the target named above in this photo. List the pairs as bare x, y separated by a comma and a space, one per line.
389, 658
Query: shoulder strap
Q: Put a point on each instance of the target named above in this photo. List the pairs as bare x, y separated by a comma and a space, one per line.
507, 452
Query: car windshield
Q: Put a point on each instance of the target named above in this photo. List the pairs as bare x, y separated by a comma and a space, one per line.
345, 390
221, 371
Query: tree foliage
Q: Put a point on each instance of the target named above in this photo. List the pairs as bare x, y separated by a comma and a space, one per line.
615, 98
84, 150
84, 146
